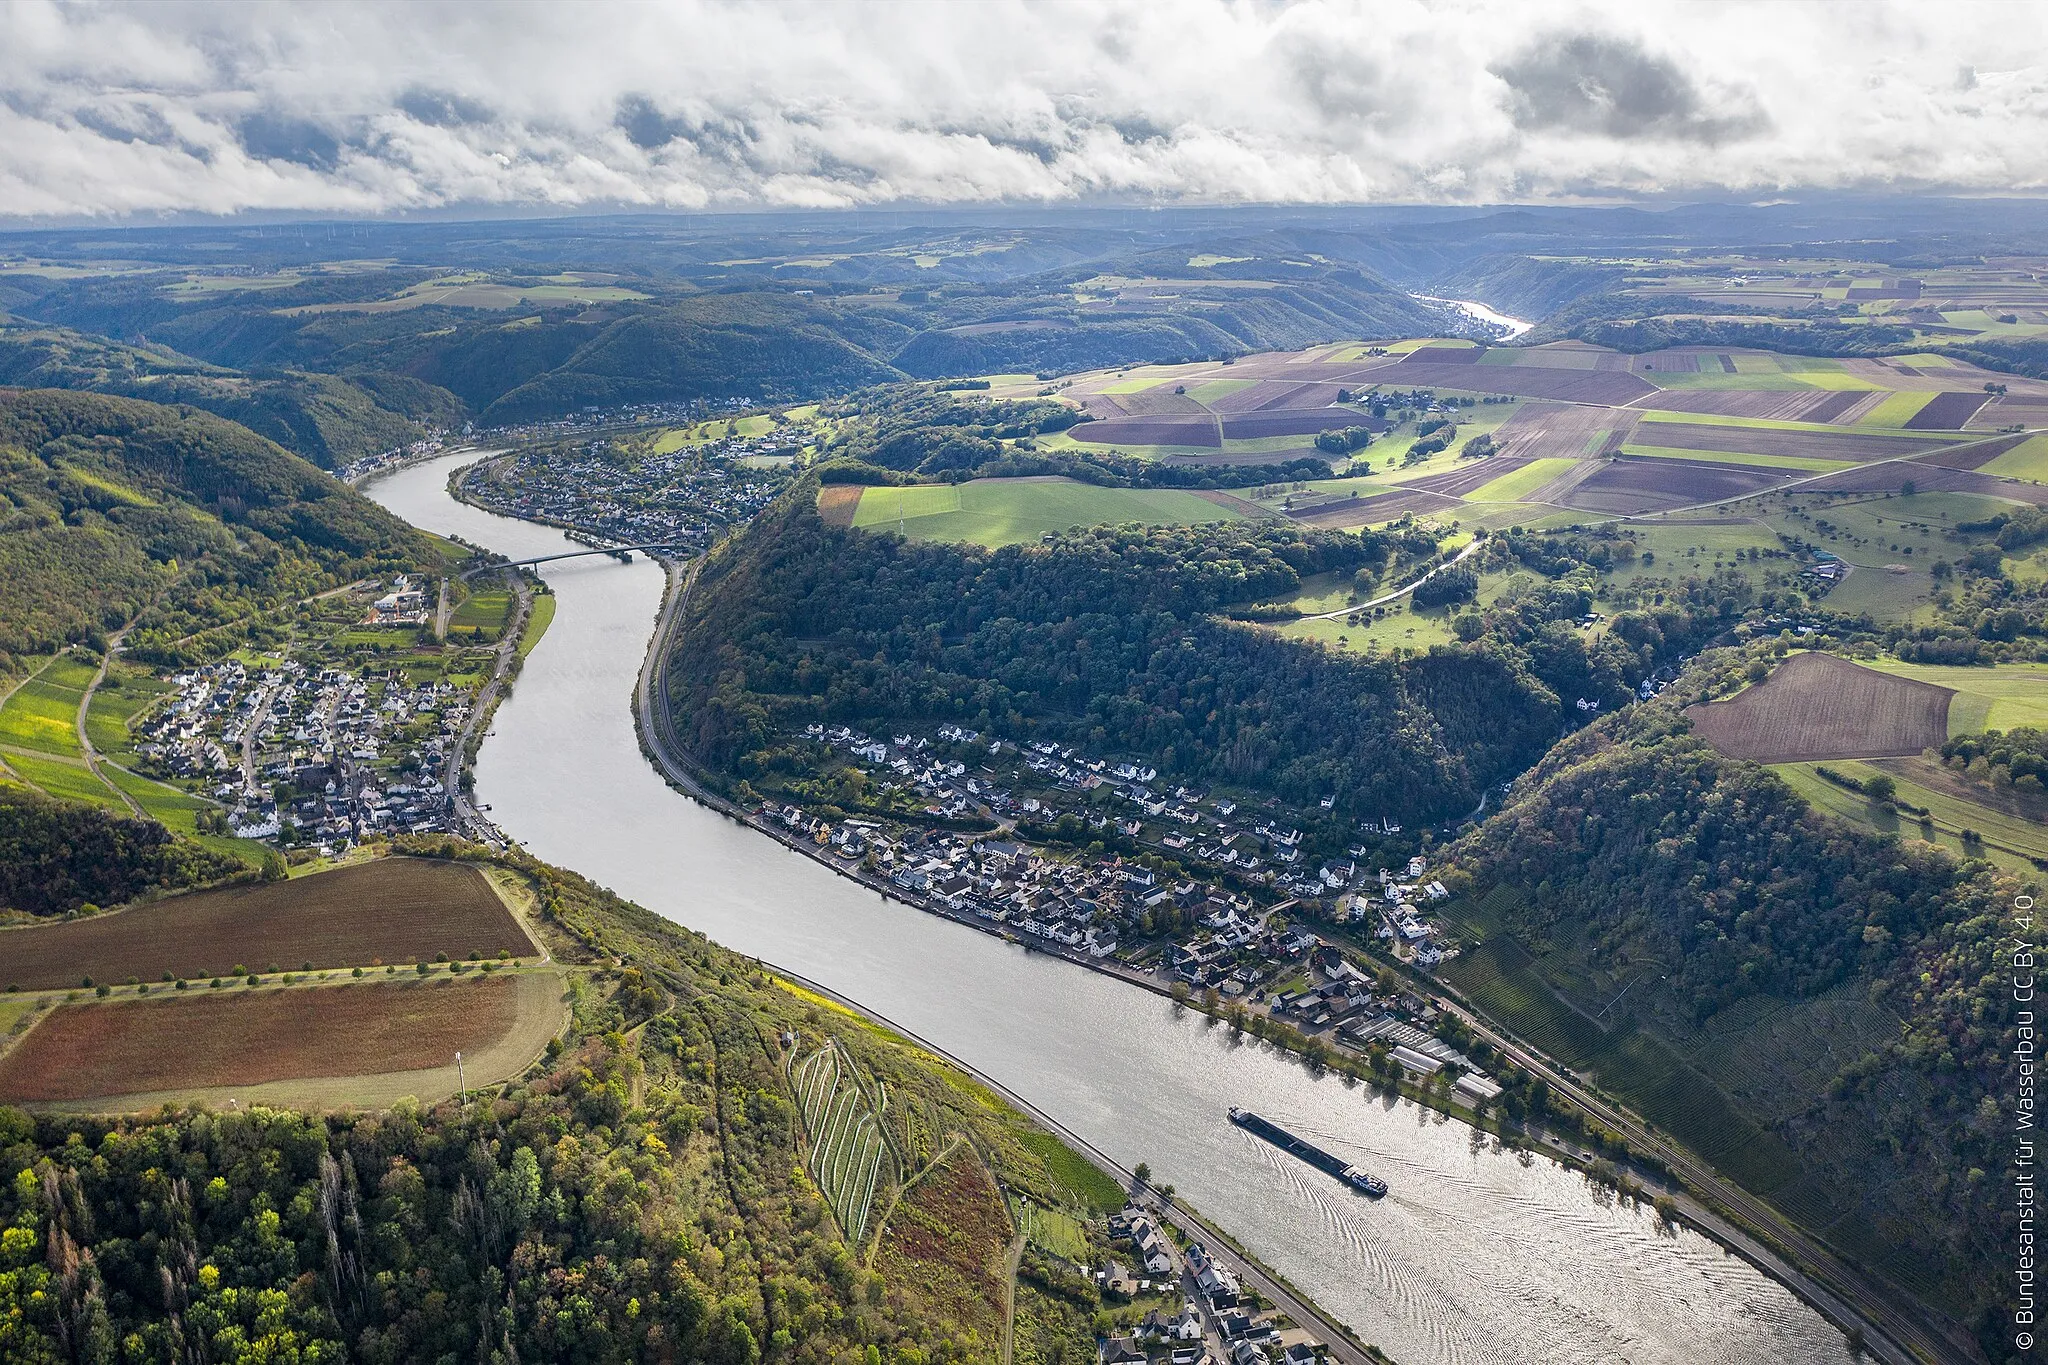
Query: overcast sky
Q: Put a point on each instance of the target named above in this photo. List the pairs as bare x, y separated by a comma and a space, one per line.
141, 110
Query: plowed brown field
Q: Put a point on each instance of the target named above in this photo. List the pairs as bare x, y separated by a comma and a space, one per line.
252, 1037
396, 909
1817, 706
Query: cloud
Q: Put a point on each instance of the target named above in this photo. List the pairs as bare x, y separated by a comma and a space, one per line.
1589, 83
116, 110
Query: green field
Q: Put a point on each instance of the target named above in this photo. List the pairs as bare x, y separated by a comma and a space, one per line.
1659, 416
2027, 460
1896, 410
675, 438
1522, 482
1073, 1173
1997, 698
43, 712
2011, 841
1218, 388
537, 622
1138, 385
1760, 383
485, 611
996, 512
1053, 1231
122, 696
67, 781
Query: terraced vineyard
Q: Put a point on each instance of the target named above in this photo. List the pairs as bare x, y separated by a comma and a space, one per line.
847, 1152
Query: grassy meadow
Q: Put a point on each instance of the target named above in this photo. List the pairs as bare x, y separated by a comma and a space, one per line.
993, 512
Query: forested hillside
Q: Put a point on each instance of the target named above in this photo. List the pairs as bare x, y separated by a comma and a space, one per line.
113, 509
315, 359
328, 419
1160, 307
1112, 637
56, 856
642, 1194
1836, 996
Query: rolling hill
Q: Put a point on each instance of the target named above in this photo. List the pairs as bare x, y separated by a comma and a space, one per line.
119, 509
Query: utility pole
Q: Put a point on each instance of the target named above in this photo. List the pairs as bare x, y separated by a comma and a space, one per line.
460, 1083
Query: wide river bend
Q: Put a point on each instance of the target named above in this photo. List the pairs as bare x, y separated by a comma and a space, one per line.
1476, 1255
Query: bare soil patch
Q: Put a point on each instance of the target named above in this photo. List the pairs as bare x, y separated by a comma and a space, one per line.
1382, 507
837, 502
1458, 482
1628, 485
1139, 431
1255, 426
1927, 477
1162, 401
1442, 355
1832, 406
1563, 430
252, 1037
399, 910
1947, 411
1808, 445
1816, 706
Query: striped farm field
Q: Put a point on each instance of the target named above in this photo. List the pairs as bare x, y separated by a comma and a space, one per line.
1512, 487
848, 1154
1819, 706
1738, 457
177, 1044
394, 910
43, 712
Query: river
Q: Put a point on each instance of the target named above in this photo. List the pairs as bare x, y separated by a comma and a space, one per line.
1513, 327
1475, 1256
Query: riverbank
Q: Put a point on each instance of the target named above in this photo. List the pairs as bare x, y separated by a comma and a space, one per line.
1421, 1272
1699, 1204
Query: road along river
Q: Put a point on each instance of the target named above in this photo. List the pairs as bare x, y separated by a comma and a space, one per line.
1475, 1256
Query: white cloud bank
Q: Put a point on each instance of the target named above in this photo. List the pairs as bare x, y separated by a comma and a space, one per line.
375, 108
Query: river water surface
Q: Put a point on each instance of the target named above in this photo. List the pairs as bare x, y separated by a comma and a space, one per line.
1475, 1255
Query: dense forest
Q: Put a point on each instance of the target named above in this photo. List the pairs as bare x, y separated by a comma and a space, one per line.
1634, 842
56, 856
1113, 637
113, 509
640, 1195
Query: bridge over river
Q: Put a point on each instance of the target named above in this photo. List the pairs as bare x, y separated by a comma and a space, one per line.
623, 553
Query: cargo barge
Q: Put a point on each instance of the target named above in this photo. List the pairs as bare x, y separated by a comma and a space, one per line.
1307, 1151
